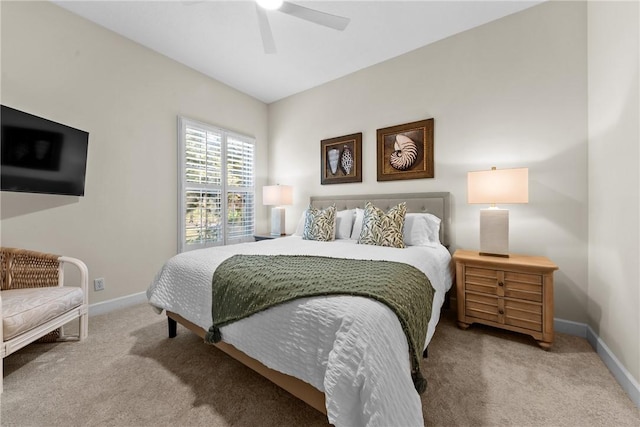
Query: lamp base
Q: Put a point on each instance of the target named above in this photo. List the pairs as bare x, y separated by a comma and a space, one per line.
494, 232
277, 222
498, 255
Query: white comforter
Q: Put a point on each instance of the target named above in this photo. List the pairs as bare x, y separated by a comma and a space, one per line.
351, 348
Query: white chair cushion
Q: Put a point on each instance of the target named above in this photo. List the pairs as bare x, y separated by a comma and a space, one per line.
24, 309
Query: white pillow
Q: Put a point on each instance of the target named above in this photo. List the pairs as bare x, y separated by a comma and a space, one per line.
357, 224
300, 227
421, 229
344, 223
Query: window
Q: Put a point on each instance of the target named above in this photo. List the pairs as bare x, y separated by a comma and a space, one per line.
216, 184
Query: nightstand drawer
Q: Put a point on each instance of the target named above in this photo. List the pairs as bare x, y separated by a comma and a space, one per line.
504, 283
523, 286
523, 314
482, 280
482, 306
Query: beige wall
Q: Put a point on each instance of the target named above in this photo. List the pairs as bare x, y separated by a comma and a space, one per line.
62, 67
614, 180
512, 93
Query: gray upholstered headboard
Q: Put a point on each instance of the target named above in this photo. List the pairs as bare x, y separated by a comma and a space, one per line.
434, 203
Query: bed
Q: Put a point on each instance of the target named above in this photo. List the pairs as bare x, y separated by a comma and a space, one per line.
344, 355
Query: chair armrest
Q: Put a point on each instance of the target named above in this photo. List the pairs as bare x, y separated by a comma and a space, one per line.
84, 274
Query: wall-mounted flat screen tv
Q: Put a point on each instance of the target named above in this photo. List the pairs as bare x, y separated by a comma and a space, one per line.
41, 156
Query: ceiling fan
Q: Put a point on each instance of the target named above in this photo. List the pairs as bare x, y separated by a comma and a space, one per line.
312, 15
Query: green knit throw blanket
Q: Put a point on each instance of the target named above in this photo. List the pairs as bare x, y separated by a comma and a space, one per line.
247, 284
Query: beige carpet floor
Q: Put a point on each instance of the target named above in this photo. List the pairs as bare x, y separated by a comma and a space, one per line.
128, 373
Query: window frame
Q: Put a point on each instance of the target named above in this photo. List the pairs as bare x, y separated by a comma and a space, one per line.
224, 187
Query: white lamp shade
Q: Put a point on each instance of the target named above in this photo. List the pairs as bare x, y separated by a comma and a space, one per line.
498, 186
277, 195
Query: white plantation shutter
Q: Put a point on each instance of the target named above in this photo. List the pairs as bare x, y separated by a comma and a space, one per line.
216, 184
240, 187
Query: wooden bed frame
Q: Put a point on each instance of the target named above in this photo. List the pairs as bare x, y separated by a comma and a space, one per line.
300, 389
434, 203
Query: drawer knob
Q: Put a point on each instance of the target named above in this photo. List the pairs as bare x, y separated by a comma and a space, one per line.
501, 311
500, 284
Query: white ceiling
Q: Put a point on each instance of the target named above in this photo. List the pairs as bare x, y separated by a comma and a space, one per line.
222, 39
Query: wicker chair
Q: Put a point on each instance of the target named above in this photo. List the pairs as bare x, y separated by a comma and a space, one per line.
34, 304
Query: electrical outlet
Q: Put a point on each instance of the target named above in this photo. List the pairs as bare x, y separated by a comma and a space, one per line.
98, 284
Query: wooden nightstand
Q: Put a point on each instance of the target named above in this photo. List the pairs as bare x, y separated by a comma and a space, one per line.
259, 237
514, 293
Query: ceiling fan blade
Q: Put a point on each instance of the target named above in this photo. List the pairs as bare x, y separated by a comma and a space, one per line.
315, 16
265, 31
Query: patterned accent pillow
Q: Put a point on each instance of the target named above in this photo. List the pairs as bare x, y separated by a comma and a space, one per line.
320, 224
382, 229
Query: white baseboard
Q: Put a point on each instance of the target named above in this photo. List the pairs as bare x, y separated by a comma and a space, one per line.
116, 303
624, 377
570, 328
628, 383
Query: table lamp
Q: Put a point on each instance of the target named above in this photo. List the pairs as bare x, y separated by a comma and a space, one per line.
497, 187
277, 196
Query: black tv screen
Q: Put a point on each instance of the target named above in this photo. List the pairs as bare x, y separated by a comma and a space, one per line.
41, 156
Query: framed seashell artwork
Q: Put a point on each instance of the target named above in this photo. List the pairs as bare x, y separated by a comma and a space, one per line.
406, 151
341, 159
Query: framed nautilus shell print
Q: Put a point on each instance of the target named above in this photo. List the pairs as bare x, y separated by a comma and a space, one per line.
406, 151
341, 159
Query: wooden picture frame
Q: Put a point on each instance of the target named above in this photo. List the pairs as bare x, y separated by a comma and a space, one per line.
341, 159
406, 151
